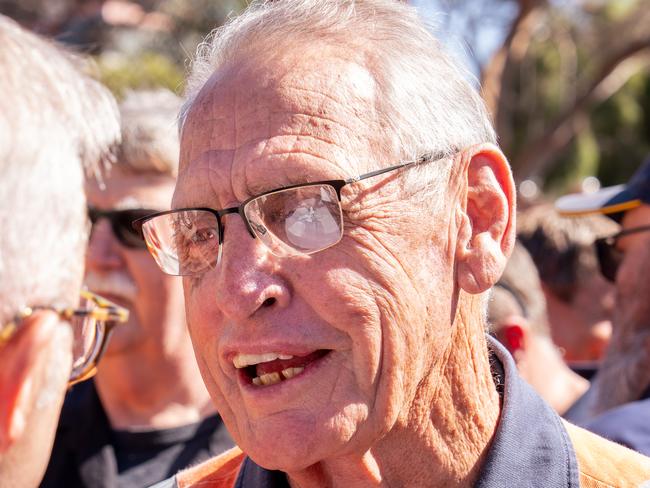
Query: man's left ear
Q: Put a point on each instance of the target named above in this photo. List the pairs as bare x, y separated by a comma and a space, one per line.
21, 363
487, 231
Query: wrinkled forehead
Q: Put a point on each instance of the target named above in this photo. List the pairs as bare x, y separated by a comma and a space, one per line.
294, 114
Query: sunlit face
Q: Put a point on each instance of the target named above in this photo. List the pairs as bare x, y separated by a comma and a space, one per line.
582, 326
632, 280
309, 357
130, 277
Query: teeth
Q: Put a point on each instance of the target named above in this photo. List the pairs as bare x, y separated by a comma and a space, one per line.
243, 360
291, 372
273, 378
270, 379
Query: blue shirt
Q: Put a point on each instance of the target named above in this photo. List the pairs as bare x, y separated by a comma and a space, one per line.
628, 425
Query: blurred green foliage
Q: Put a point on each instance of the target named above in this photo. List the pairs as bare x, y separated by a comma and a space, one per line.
564, 51
585, 75
143, 71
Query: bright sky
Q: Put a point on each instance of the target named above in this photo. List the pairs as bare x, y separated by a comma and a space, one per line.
453, 28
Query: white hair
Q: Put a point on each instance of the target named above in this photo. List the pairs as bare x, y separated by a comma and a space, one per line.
149, 136
425, 101
54, 122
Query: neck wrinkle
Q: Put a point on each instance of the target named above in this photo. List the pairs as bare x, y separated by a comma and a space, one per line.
448, 427
464, 408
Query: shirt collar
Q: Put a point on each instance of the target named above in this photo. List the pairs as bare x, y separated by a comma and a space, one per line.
530, 446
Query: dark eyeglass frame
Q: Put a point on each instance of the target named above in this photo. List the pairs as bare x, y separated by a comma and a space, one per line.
609, 257
121, 224
107, 312
336, 184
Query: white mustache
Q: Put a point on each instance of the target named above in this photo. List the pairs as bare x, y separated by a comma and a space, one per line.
116, 284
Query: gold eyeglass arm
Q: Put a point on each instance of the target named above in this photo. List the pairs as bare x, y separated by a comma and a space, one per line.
106, 311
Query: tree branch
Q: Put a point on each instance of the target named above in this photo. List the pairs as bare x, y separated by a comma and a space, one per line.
515, 45
536, 158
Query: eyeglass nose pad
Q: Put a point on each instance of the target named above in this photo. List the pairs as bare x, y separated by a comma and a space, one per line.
259, 228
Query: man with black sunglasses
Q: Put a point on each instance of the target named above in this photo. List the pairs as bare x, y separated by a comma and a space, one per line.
624, 258
147, 412
51, 332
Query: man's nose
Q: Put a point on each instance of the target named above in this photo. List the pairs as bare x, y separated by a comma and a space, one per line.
103, 248
248, 278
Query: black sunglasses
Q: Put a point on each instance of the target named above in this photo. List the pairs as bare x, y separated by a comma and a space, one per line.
609, 257
121, 224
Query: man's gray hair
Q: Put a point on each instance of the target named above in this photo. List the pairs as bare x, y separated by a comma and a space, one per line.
426, 102
149, 136
54, 122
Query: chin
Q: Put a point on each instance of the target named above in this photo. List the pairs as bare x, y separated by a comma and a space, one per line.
284, 457
293, 446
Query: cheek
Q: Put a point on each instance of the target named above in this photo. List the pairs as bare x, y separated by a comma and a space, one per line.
205, 333
150, 281
343, 298
205, 328
385, 312
632, 282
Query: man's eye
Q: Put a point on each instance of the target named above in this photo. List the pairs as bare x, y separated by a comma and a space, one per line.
202, 235
274, 212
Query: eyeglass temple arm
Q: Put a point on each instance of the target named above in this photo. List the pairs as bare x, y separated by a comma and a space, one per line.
425, 158
634, 230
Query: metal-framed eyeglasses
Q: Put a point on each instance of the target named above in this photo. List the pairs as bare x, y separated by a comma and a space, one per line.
92, 325
294, 220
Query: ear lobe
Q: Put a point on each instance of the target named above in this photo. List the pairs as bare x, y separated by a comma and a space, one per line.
513, 337
20, 362
487, 232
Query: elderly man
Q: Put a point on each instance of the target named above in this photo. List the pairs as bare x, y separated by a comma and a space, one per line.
46, 138
340, 211
518, 319
147, 412
624, 259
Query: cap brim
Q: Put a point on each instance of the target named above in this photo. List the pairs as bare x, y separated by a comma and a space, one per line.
607, 201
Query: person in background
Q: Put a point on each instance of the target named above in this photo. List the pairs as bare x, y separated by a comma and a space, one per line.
518, 319
618, 401
340, 216
579, 301
147, 413
48, 338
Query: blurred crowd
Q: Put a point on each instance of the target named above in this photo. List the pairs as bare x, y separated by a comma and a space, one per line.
404, 293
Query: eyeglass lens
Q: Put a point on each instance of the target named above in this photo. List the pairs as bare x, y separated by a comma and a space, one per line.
291, 221
121, 224
88, 334
296, 221
609, 258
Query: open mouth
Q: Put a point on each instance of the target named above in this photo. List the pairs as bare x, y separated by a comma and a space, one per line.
271, 368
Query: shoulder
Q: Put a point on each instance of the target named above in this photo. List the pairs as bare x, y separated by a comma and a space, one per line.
605, 464
628, 425
218, 472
